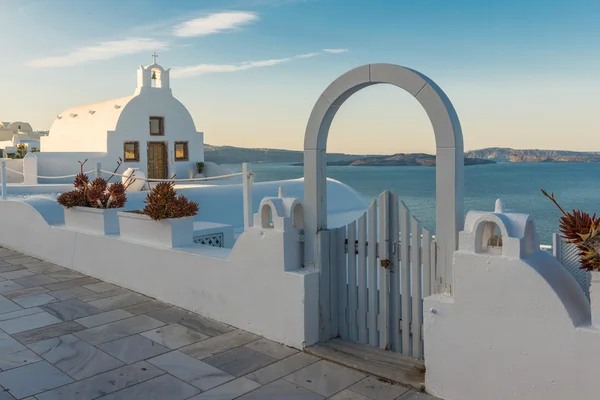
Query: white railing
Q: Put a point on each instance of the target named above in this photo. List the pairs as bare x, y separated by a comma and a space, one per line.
568, 255
246, 174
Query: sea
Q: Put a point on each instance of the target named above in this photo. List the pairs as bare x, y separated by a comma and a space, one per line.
575, 185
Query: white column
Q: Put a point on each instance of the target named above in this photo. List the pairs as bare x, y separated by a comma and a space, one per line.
30, 169
4, 184
247, 196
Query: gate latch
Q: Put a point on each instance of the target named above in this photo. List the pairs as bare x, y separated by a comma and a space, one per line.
386, 263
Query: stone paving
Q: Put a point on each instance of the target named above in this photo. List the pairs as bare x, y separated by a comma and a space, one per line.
66, 336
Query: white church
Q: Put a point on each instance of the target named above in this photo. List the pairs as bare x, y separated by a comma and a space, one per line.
150, 130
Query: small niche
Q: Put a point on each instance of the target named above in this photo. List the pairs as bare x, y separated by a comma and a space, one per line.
489, 238
298, 216
266, 216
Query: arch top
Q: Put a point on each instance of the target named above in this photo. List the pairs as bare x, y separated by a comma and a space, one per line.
441, 112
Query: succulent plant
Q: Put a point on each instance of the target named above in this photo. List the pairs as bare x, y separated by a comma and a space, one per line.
583, 230
95, 194
163, 202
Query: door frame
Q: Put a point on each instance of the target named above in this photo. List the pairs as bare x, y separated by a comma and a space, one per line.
166, 153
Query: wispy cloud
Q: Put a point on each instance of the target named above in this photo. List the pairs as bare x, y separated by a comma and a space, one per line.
215, 68
183, 72
214, 23
100, 52
308, 55
335, 51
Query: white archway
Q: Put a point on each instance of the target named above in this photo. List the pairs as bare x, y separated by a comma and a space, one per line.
449, 152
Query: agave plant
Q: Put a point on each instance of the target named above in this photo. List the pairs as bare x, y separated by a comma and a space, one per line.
163, 202
97, 193
583, 230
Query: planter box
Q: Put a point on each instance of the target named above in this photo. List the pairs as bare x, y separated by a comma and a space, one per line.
173, 232
96, 220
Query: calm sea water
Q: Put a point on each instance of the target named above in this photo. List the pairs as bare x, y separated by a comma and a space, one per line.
576, 186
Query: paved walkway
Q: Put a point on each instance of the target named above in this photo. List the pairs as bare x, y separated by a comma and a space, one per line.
64, 335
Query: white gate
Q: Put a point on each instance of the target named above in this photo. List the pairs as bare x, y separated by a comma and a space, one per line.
374, 274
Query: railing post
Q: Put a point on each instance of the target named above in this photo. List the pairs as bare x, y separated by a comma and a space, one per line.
556, 246
247, 196
4, 180
98, 168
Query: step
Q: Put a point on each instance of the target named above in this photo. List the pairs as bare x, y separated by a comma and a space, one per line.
385, 364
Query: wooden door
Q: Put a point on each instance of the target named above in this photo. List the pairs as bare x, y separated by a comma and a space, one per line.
157, 160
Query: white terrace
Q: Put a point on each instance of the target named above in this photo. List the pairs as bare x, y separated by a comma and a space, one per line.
478, 312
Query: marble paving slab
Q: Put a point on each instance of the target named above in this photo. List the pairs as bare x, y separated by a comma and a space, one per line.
174, 336
104, 318
219, 344
28, 322
35, 300
27, 291
7, 305
105, 383
75, 357
116, 330
48, 332
281, 390
69, 293
377, 388
282, 368
32, 379
69, 310
35, 280
149, 306
228, 391
240, 361
133, 348
160, 388
9, 286
20, 313
338, 378
271, 348
201, 324
13, 354
191, 370
120, 301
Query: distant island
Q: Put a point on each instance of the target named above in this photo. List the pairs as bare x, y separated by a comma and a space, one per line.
492, 155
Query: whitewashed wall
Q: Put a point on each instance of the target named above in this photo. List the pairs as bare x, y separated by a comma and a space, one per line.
178, 125
66, 163
256, 286
16, 165
518, 327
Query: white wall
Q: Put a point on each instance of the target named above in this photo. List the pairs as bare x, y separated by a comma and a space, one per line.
246, 287
224, 204
178, 126
518, 327
66, 163
16, 165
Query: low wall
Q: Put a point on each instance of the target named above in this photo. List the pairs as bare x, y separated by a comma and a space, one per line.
518, 325
258, 285
16, 165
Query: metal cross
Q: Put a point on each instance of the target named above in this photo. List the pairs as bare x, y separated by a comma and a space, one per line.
154, 55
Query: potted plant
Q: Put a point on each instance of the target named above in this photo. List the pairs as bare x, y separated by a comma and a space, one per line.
200, 167
582, 230
93, 205
166, 220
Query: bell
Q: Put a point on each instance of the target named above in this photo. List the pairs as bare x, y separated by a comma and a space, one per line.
153, 75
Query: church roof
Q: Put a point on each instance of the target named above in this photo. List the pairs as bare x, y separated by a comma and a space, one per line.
88, 118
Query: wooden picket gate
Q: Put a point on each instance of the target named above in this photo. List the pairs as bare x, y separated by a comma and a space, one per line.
374, 274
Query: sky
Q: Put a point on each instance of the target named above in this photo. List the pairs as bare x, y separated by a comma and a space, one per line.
520, 73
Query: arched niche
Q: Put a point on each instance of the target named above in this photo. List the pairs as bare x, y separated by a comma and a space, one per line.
449, 152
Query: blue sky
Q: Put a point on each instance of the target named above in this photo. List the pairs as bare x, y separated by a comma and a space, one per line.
521, 73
